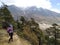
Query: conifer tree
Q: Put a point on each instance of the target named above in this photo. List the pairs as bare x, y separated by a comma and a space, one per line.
6, 14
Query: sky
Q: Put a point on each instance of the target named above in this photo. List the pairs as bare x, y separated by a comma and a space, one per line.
53, 5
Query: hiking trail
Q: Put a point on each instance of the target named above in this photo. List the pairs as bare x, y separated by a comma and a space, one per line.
16, 39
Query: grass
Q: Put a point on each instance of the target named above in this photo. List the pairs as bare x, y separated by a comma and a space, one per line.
28, 35
16, 39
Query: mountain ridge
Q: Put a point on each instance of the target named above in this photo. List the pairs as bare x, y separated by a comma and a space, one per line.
39, 14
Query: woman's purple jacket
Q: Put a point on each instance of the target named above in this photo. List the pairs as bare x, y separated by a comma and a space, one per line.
10, 30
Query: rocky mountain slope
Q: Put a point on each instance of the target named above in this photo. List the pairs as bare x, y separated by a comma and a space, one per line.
39, 14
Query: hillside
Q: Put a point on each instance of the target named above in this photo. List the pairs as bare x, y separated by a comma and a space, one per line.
39, 14
16, 39
23, 29
29, 28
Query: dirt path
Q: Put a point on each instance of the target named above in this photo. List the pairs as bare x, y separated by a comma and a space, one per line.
16, 40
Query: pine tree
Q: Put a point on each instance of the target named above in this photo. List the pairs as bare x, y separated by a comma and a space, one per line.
6, 14
22, 19
54, 26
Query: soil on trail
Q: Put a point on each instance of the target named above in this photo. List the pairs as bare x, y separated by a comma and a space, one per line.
16, 40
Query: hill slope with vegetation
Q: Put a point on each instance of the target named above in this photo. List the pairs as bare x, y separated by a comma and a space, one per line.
27, 31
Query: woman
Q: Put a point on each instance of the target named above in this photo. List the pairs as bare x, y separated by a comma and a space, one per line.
10, 32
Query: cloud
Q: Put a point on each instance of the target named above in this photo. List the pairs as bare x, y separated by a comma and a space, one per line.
38, 3
8, 2
27, 3
55, 10
0, 4
58, 4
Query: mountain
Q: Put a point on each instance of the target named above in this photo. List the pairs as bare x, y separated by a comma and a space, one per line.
39, 14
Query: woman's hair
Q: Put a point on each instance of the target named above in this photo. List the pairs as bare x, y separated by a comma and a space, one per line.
9, 26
